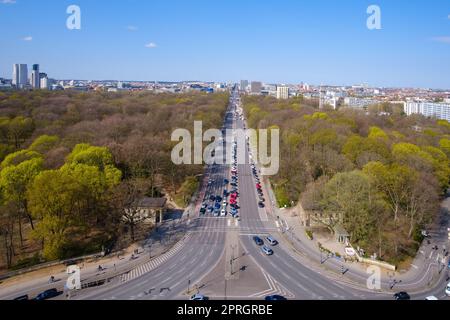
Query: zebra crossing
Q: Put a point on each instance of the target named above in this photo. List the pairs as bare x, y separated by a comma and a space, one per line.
154, 263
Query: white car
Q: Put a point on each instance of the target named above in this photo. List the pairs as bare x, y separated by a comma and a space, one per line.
431, 298
223, 213
198, 297
447, 290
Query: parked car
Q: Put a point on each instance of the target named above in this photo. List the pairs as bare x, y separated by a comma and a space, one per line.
431, 298
261, 205
22, 298
258, 241
267, 251
198, 297
402, 296
47, 294
203, 210
447, 290
271, 241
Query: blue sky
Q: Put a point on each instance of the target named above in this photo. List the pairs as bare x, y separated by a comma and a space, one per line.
285, 41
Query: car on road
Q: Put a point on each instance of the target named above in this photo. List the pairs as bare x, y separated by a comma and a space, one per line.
431, 298
275, 298
271, 241
267, 251
202, 210
22, 298
211, 209
261, 205
47, 294
223, 213
402, 296
198, 297
226, 181
447, 290
258, 241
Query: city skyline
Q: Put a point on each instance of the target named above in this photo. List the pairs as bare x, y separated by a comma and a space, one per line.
283, 42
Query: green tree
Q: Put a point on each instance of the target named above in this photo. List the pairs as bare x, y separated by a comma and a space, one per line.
14, 181
44, 143
54, 199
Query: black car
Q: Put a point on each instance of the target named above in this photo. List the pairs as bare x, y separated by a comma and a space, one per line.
203, 210
402, 296
48, 294
22, 298
226, 181
261, 205
218, 199
212, 198
275, 298
258, 241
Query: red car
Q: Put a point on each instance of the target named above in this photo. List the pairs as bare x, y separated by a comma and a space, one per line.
258, 186
232, 201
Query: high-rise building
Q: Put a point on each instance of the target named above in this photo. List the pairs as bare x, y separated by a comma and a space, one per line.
35, 77
244, 85
43, 81
282, 92
256, 87
429, 109
20, 75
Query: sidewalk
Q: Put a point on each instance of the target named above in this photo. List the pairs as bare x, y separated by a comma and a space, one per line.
159, 241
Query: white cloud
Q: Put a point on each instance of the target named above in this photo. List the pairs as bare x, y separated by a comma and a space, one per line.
28, 38
442, 39
151, 45
132, 28
8, 1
